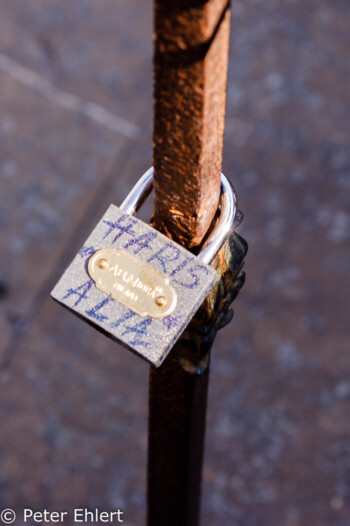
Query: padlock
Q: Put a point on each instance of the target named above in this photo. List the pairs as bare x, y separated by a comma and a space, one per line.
135, 284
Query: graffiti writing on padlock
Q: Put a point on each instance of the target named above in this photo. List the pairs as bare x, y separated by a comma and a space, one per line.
168, 259
148, 287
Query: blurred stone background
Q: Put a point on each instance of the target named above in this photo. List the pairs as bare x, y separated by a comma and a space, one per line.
76, 124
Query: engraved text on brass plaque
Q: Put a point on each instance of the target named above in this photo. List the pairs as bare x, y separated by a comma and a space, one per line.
132, 282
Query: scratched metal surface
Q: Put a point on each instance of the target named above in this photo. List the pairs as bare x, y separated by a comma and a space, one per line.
150, 338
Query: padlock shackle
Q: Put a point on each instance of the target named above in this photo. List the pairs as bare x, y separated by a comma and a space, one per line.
223, 227
138, 195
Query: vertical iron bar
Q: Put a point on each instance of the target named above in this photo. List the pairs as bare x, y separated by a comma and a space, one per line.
190, 72
177, 402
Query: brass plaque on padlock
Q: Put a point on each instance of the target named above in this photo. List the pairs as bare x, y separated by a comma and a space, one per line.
132, 282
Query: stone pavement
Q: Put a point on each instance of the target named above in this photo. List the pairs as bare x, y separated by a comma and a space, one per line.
76, 100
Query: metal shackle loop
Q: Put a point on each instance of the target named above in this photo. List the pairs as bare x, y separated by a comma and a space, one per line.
223, 227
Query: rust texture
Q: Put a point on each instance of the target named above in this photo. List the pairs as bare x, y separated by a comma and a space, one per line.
190, 71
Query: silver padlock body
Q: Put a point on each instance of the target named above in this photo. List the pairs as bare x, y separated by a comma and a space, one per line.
150, 337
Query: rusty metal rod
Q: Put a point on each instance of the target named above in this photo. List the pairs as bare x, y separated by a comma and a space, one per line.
177, 409
190, 72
